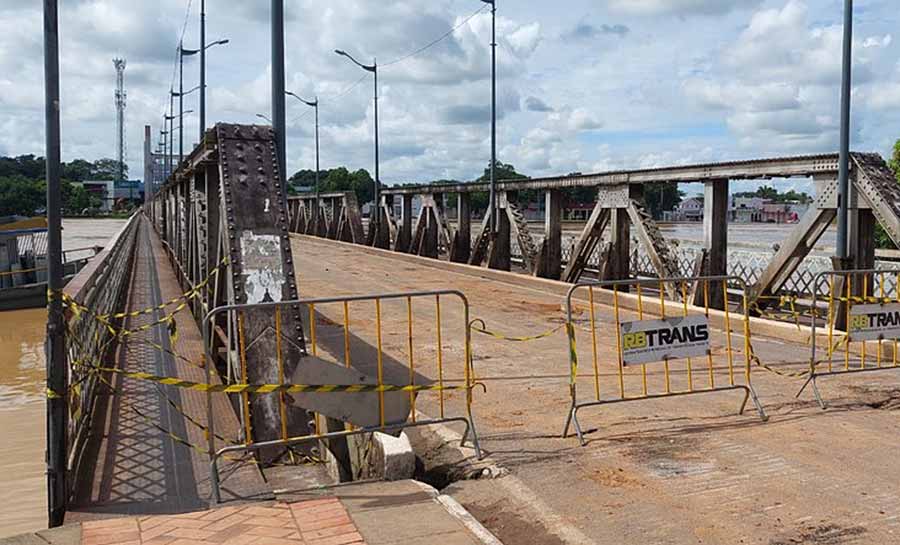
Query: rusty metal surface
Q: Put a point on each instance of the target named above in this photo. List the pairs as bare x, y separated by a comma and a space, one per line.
779, 167
256, 231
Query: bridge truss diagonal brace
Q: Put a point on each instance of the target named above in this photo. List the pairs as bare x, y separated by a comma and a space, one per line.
801, 241
586, 243
519, 227
445, 234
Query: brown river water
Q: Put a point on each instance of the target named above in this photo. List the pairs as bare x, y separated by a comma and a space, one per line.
22, 375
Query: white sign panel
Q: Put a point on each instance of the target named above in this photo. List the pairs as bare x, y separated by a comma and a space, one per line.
646, 341
874, 322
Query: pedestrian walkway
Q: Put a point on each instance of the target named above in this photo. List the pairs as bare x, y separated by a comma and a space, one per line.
379, 513
141, 467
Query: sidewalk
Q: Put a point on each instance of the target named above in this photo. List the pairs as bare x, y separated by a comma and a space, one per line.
380, 513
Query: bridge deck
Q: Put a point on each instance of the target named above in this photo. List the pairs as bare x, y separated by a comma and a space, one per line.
681, 470
140, 468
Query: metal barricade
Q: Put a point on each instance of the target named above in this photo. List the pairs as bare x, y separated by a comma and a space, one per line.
658, 331
340, 313
867, 303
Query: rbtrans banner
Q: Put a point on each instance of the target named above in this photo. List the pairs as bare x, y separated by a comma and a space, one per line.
645, 341
874, 322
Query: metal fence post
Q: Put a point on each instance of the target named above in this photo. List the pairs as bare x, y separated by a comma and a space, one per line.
57, 417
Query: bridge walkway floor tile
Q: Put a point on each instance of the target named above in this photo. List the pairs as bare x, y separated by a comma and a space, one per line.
140, 468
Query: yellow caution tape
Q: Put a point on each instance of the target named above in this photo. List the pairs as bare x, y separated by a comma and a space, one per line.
77, 307
275, 388
483, 330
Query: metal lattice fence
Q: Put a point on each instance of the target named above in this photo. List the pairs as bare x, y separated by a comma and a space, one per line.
748, 265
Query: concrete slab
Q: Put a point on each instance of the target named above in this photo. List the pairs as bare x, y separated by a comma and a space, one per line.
676, 470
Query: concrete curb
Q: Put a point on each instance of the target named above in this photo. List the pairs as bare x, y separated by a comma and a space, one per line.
457, 511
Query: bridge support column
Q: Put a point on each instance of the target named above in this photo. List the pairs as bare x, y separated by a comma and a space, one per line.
499, 257
385, 222
335, 219
715, 242
461, 248
404, 234
430, 242
618, 264
550, 265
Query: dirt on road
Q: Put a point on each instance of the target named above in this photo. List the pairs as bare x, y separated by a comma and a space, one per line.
669, 471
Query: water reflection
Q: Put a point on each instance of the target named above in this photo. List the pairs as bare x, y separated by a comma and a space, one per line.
21, 356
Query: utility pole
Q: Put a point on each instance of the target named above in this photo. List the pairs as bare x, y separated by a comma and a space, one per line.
844, 167
202, 70
278, 115
120, 124
180, 103
171, 118
377, 210
313, 104
493, 192
374, 218
55, 346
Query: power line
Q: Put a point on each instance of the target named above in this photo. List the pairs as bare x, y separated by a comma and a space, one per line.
334, 97
187, 16
435, 42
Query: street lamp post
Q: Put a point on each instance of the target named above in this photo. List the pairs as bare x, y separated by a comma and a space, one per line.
264, 117
493, 191
55, 346
844, 162
202, 69
202, 87
182, 53
314, 104
374, 69
171, 118
278, 117
162, 137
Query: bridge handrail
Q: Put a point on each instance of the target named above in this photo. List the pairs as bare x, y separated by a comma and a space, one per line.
102, 287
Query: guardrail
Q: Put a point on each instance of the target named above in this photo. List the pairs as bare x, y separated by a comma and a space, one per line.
359, 391
856, 314
661, 332
91, 300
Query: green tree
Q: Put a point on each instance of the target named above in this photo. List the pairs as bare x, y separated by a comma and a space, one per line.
20, 195
894, 161
27, 166
78, 170
882, 240
107, 169
502, 171
661, 197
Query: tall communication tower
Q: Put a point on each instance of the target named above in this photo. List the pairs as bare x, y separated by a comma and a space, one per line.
120, 121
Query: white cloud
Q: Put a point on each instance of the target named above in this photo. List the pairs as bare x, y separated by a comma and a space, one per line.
582, 87
679, 7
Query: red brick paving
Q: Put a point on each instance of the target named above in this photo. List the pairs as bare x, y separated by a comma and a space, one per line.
313, 522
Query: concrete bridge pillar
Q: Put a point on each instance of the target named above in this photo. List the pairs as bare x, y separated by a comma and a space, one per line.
715, 242
404, 234
461, 248
499, 257
430, 241
618, 265
385, 222
550, 264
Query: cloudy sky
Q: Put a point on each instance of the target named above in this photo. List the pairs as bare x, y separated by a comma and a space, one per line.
585, 85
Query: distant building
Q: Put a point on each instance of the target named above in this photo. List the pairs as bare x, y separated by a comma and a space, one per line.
690, 209
110, 192
745, 209
578, 211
